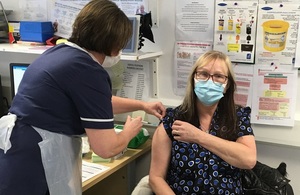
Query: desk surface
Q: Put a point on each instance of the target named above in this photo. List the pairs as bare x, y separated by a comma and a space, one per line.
129, 156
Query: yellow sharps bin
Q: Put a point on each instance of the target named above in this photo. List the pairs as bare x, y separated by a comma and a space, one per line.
275, 33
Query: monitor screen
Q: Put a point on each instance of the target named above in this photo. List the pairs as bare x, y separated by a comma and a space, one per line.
132, 45
16, 74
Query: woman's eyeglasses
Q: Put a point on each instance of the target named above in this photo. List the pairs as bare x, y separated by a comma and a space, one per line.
204, 76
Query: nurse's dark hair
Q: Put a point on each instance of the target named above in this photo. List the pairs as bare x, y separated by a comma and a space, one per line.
102, 27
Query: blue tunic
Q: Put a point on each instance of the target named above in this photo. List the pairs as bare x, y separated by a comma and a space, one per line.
195, 170
64, 91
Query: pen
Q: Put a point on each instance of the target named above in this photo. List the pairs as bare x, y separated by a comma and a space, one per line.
149, 124
146, 122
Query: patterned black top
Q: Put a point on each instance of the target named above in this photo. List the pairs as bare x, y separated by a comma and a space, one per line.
195, 170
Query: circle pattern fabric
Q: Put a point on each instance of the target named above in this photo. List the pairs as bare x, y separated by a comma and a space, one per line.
194, 170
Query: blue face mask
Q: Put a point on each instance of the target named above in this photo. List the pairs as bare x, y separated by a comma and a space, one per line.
209, 92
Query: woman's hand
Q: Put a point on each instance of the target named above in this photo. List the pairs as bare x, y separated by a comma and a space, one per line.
184, 131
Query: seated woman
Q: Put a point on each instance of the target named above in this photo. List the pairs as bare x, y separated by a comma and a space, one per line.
201, 146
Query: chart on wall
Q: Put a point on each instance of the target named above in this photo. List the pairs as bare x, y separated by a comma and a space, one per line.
33, 10
244, 84
277, 34
274, 97
136, 80
64, 12
194, 20
132, 7
235, 29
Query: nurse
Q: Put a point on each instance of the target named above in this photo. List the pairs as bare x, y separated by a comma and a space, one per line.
66, 93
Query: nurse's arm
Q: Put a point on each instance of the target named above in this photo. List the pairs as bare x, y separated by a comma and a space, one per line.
106, 143
123, 105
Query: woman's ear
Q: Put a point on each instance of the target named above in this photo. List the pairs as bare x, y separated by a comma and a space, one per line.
225, 87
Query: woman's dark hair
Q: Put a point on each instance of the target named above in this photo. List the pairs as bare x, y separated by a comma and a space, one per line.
102, 27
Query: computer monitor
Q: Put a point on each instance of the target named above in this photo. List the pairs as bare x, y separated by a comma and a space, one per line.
132, 45
17, 71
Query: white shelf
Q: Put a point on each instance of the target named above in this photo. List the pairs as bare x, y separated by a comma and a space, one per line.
17, 48
33, 49
141, 55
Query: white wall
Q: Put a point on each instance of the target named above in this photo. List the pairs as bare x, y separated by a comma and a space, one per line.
270, 154
165, 38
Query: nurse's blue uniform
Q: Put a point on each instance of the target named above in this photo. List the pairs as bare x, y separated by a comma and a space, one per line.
63, 92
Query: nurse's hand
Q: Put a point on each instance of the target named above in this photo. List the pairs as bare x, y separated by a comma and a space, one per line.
107, 143
133, 126
155, 108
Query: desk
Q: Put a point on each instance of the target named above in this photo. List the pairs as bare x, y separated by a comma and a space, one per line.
117, 173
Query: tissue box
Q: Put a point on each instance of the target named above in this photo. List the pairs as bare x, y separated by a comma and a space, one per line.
96, 158
36, 31
138, 140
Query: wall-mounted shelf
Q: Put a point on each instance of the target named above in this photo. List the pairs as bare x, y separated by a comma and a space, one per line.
34, 50
18, 48
39, 49
141, 55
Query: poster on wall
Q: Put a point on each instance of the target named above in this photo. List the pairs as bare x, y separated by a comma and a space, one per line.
277, 1
297, 52
235, 29
63, 15
186, 54
136, 81
194, 20
244, 81
33, 10
64, 12
277, 34
274, 97
132, 7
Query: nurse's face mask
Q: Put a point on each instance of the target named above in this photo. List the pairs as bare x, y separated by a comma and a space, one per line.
109, 61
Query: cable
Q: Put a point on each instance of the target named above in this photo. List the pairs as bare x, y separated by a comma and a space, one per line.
7, 105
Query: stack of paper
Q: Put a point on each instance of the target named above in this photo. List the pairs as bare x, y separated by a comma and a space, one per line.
90, 170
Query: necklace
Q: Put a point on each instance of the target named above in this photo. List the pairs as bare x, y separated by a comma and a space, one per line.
204, 130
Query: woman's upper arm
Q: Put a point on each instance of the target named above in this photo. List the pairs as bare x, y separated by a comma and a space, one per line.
160, 153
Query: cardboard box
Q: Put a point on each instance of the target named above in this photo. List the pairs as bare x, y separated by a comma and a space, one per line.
36, 31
